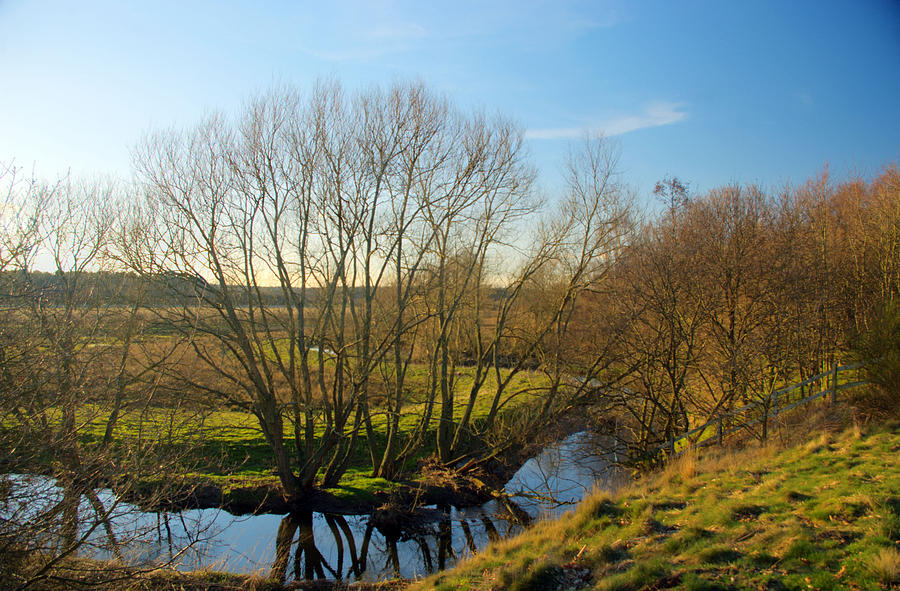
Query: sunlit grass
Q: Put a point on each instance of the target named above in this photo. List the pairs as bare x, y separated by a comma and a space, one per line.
227, 447
823, 515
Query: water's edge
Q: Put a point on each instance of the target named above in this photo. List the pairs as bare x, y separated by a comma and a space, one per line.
404, 542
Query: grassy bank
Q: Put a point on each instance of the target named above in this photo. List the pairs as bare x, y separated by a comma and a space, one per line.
824, 515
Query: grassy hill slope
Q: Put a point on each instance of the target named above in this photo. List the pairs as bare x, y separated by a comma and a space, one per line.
823, 515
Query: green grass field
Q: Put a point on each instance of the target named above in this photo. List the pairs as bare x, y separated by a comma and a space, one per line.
227, 447
824, 515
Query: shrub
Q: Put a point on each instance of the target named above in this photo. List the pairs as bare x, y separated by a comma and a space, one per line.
879, 349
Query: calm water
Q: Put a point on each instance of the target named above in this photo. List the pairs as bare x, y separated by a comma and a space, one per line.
316, 545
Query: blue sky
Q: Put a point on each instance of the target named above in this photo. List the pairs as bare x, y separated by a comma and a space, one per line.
714, 91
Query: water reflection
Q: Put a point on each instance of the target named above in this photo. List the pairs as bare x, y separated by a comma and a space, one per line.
309, 545
312, 545
561, 475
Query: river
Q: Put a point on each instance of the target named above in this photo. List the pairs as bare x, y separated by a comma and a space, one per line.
307, 544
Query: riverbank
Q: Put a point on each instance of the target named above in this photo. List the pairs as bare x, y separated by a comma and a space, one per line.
403, 532
394, 541
461, 490
112, 577
359, 493
824, 514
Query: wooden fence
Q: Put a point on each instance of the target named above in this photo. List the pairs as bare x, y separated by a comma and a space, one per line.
761, 412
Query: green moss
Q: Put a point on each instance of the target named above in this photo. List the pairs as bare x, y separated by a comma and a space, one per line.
356, 486
718, 554
686, 539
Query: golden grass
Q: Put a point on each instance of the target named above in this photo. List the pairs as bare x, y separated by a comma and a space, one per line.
886, 566
823, 514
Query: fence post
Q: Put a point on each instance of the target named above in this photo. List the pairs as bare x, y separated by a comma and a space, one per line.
834, 378
775, 407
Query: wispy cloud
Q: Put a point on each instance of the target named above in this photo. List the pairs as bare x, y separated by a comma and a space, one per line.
407, 30
804, 98
655, 114
368, 42
371, 30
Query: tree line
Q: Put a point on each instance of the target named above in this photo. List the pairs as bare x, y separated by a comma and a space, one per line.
731, 293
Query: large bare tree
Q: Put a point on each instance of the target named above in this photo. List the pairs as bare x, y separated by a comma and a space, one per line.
288, 227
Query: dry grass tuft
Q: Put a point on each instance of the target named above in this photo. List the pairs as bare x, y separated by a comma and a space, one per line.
680, 469
886, 566
687, 464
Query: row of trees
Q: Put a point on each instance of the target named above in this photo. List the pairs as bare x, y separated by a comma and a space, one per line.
71, 363
734, 292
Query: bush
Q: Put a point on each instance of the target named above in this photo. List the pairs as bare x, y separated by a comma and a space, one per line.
879, 349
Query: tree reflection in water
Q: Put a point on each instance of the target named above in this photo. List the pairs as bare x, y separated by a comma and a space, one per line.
547, 484
307, 545
419, 549
309, 563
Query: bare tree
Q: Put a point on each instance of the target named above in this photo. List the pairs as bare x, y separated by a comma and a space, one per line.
67, 377
570, 255
293, 223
